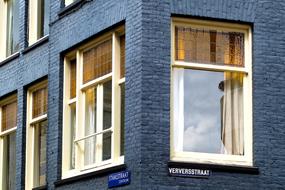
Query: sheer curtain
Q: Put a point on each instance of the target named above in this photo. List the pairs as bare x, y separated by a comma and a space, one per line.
178, 102
90, 127
232, 114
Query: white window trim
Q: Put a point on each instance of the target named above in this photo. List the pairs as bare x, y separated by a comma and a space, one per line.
3, 171
209, 158
116, 159
34, 22
3, 31
30, 177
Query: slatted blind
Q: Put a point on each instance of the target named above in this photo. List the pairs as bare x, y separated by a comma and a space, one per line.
209, 46
9, 116
39, 102
72, 78
123, 55
97, 61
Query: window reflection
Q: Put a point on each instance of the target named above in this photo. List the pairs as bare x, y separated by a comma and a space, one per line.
12, 27
208, 111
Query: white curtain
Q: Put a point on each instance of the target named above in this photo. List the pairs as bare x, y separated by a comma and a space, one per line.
90, 127
178, 102
232, 115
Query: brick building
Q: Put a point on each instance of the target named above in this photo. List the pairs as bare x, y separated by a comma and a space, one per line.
89, 88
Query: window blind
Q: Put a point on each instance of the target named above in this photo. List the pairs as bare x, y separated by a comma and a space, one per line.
97, 61
9, 116
72, 79
209, 46
122, 56
39, 102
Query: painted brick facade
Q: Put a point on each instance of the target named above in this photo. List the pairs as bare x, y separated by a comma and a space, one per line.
148, 69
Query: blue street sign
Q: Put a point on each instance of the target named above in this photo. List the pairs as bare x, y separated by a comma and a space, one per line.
119, 179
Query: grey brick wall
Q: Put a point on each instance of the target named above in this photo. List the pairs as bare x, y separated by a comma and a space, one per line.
148, 86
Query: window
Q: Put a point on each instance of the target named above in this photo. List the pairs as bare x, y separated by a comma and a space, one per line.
38, 19
68, 2
211, 92
36, 135
8, 126
93, 124
9, 24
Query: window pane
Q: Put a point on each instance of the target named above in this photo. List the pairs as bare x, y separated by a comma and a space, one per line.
208, 112
46, 18
107, 112
209, 46
107, 139
43, 18
72, 134
9, 116
123, 55
12, 27
10, 175
42, 151
123, 119
72, 78
107, 118
97, 61
40, 102
90, 126
89, 150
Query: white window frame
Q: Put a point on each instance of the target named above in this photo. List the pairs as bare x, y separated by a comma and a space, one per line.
31, 141
3, 164
3, 31
34, 22
210, 158
79, 100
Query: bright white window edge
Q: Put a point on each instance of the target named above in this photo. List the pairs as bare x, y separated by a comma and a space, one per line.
208, 158
68, 2
116, 81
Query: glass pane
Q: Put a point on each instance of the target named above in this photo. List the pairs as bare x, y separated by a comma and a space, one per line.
123, 55
73, 78
90, 126
12, 27
46, 17
41, 131
97, 61
43, 16
107, 140
107, 112
90, 150
123, 119
10, 175
72, 134
209, 46
42, 151
208, 112
9, 116
40, 102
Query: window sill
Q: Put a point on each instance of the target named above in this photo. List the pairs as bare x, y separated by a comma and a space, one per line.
86, 176
10, 58
71, 8
38, 43
44, 187
216, 167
